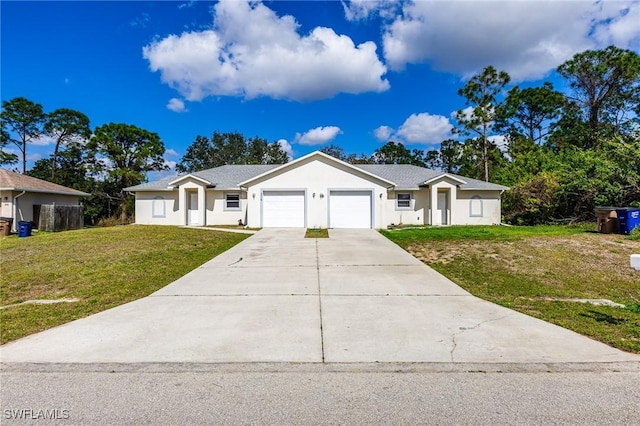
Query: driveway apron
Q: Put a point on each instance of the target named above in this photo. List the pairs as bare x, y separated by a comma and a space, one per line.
278, 297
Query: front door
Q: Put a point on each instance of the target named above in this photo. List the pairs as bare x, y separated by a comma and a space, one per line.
193, 208
441, 210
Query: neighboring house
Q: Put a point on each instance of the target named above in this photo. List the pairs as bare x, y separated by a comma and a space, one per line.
318, 191
19, 193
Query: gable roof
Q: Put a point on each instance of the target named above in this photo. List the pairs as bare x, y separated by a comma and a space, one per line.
11, 181
321, 155
401, 176
407, 176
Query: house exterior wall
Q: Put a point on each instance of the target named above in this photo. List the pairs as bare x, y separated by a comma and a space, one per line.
26, 202
317, 177
477, 208
216, 212
6, 203
157, 208
417, 214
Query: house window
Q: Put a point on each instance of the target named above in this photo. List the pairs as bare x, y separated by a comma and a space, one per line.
475, 206
232, 201
158, 207
403, 201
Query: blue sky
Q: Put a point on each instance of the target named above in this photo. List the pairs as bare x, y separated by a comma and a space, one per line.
305, 73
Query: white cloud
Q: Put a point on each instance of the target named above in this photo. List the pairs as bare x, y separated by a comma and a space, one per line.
286, 147
34, 157
525, 38
500, 141
176, 105
171, 153
318, 136
355, 10
43, 140
423, 128
252, 52
383, 133
170, 164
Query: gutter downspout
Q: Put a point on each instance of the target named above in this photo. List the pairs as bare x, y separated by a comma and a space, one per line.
15, 210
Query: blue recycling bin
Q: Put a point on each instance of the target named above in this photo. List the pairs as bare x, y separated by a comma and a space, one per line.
628, 219
24, 229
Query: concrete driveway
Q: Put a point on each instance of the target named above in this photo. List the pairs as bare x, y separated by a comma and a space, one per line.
278, 297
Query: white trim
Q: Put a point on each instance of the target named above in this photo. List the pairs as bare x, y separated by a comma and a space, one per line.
263, 190
232, 209
407, 208
48, 191
194, 177
447, 175
318, 154
371, 191
156, 200
471, 200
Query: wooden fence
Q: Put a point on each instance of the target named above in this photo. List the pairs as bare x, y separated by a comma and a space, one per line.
54, 218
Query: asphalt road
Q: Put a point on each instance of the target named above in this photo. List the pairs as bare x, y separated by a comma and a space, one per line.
301, 394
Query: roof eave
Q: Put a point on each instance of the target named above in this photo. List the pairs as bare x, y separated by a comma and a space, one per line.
46, 191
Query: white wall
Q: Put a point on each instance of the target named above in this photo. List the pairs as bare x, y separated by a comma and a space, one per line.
417, 215
318, 176
145, 208
216, 213
26, 202
491, 208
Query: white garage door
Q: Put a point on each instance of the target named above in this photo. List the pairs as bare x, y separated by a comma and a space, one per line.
283, 209
350, 209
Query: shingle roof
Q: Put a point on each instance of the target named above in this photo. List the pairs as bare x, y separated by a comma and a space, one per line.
407, 176
404, 175
11, 181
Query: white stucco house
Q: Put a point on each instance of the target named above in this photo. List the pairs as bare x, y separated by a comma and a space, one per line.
20, 193
318, 191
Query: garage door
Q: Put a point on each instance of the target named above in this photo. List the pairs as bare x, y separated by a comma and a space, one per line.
350, 209
283, 209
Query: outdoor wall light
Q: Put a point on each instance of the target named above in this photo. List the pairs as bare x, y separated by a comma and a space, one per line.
381, 195
253, 195
313, 195
321, 195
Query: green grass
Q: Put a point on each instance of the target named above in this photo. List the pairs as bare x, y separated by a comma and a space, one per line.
316, 233
103, 267
529, 268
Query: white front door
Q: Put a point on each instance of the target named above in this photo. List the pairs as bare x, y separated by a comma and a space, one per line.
283, 209
193, 209
441, 210
350, 209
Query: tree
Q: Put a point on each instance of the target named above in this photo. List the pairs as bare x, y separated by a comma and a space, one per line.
22, 122
72, 169
6, 157
335, 151
125, 153
66, 126
397, 153
606, 87
481, 95
529, 115
229, 148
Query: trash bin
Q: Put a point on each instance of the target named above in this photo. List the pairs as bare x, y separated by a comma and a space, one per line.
24, 228
628, 218
607, 220
5, 225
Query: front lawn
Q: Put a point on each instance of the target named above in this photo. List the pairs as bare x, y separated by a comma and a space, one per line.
102, 267
535, 270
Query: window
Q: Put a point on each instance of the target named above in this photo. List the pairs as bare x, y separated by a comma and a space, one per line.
403, 201
158, 208
475, 206
232, 201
